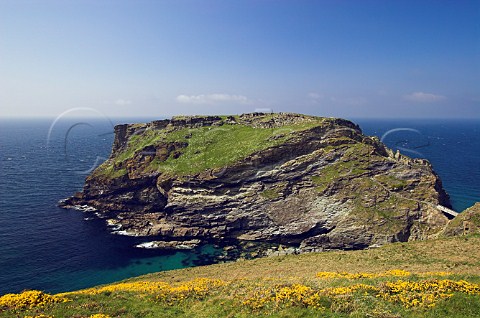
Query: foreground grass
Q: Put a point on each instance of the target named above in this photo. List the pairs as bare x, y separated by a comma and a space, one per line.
438, 278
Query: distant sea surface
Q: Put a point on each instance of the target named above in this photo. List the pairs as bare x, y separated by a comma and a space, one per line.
52, 249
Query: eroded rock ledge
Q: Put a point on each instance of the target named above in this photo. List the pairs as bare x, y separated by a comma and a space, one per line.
310, 183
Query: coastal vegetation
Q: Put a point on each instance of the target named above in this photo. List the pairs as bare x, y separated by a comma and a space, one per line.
434, 278
204, 147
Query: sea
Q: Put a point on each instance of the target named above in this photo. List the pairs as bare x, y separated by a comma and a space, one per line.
44, 160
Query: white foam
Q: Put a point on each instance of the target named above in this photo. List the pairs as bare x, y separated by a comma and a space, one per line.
84, 208
113, 225
125, 233
147, 245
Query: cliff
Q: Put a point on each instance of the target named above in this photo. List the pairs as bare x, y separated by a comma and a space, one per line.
311, 183
466, 223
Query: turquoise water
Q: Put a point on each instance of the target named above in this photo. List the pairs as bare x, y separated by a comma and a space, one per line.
137, 266
52, 249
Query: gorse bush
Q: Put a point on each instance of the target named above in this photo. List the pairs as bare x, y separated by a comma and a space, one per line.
340, 292
29, 299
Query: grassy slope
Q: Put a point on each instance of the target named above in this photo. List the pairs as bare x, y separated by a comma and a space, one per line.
208, 147
249, 280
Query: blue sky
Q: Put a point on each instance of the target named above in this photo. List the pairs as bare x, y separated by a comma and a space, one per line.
161, 58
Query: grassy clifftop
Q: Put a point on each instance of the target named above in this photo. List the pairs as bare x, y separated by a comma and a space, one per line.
437, 278
185, 147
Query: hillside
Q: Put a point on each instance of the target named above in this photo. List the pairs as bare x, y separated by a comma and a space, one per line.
433, 278
261, 181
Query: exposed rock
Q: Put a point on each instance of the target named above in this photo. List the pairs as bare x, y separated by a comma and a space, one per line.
170, 245
309, 183
467, 222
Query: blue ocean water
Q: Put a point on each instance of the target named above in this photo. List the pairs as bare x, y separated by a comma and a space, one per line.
52, 249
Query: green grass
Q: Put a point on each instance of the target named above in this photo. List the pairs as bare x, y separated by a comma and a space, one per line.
216, 147
347, 166
208, 147
460, 256
270, 194
110, 172
392, 182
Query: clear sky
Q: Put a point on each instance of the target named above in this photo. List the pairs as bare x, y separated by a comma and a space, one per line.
161, 58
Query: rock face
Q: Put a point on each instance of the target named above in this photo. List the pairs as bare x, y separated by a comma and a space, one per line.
467, 222
308, 182
171, 245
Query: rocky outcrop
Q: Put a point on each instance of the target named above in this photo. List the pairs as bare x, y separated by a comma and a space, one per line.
170, 245
466, 223
307, 182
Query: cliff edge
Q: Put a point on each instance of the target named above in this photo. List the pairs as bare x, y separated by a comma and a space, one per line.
311, 183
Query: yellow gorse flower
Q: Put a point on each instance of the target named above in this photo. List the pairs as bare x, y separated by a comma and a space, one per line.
390, 273
286, 295
196, 288
29, 299
425, 293
405, 288
137, 287
348, 289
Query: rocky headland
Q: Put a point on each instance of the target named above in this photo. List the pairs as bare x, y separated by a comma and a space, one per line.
267, 181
